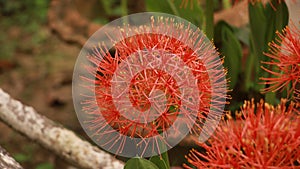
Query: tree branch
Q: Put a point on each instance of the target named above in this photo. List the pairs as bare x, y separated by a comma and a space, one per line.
7, 162
53, 136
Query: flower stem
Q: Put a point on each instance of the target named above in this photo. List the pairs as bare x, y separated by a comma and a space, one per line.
124, 7
173, 7
270, 97
248, 72
209, 19
124, 10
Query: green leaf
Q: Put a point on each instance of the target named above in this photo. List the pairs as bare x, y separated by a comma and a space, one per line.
161, 161
276, 20
231, 49
139, 163
243, 35
264, 22
258, 25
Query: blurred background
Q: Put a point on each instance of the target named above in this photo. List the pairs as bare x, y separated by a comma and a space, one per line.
41, 39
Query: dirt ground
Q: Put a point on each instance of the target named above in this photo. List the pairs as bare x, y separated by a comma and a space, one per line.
40, 77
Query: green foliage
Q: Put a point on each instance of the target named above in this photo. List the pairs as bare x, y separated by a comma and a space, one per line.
242, 34
26, 155
162, 161
20, 157
7, 51
231, 49
112, 7
195, 15
25, 11
45, 166
264, 22
140, 163
22, 20
209, 19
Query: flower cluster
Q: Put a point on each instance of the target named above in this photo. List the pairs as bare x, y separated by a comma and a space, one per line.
261, 136
284, 66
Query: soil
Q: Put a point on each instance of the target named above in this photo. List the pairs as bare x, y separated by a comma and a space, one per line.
40, 77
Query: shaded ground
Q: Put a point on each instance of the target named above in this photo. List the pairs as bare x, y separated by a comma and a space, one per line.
41, 76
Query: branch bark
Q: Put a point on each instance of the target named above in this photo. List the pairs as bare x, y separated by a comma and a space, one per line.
53, 136
7, 162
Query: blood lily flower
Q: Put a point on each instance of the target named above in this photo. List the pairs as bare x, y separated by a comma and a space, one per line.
284, 66
160, 83
261, 136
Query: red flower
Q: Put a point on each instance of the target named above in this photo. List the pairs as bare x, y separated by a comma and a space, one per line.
262, 136
152, 87
285, 63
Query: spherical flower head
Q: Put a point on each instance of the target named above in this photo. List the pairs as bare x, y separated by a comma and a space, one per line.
261, 136
158, 83
284, 67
